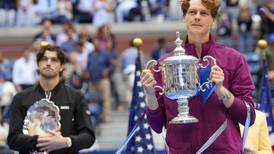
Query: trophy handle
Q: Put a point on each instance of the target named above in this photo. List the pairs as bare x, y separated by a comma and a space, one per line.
208, 59
150, 65
161, 92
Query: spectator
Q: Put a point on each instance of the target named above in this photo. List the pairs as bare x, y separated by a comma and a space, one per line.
157, 10
63, 36
232, 7
4, 129
73, 72
224, 28
8, 10
7, 91
69, 45
84, 11
6, 66
128, 10
24, 73
102, 12
99, 68
64, 11
245, 29
27, 13
46, 33
160, 50
47, 9
268, 18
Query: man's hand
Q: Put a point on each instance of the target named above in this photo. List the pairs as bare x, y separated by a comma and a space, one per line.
217, 77
53, 140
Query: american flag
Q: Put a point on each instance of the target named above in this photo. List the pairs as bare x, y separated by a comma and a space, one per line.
142, 141
265, 103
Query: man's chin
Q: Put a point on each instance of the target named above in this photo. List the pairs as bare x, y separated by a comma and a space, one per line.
48, 76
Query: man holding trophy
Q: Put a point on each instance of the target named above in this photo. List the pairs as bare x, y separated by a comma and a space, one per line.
217, 103
50, 117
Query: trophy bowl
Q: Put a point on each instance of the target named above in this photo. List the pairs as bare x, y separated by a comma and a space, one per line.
180, 79
42, 116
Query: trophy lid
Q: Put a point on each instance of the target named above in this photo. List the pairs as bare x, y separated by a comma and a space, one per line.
179, 55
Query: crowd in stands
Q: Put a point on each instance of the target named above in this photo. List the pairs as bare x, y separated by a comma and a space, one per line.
33, 12
93, 64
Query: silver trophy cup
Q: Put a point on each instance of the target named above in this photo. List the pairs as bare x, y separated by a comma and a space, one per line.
180, 79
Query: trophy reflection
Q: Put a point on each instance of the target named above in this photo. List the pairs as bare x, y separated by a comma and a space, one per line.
180, 79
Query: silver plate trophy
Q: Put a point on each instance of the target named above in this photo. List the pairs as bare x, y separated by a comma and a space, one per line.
42, 116
180, 79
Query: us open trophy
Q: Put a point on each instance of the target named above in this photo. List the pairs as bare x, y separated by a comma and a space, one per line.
180, 79
41, 117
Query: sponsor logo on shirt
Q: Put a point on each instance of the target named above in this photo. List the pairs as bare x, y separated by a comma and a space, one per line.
65, 107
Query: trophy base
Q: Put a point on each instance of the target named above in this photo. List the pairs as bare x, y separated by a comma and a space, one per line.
184, 120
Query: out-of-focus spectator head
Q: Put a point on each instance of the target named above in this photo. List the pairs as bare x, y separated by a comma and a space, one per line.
26, 53
103, 30
79, 47
84, 34
106, 28
212, 5
47, 24
72, 58
35, 46
96, 44
245, 6
71, 31
224, 15
161, 41
67, 25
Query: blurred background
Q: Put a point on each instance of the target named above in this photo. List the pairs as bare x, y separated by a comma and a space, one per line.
81, 27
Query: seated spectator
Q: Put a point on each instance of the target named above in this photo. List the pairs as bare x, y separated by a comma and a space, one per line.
27, 13
8, 12
157, 10
46, 33
102, 12
69, 45
7, 91
64, 11
128, 10
4, 130
94, 107
47, 9
257, 141
5, 66
84, 11
63, 36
